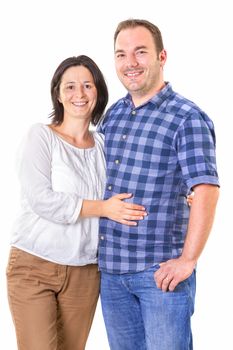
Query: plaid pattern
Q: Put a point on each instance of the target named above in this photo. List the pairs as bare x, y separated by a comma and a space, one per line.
157, 151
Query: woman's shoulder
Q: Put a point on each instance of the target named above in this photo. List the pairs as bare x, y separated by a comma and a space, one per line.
39, 130
38, 127
37, 134
98, 136
35, 140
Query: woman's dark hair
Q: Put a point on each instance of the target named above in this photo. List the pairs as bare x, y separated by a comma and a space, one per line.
57, 114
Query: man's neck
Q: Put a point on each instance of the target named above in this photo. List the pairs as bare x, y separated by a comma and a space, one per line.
139, 99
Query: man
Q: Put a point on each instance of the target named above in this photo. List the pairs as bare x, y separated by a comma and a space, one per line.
159, 147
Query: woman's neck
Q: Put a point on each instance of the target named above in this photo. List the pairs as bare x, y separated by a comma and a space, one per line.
76, 133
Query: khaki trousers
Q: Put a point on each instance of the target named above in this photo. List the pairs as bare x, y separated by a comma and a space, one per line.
52, 305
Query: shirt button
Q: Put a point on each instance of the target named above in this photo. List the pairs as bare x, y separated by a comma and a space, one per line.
110, 187
133, 112
117, 161
102, 237
124, 137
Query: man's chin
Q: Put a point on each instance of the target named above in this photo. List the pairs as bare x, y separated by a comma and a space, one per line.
134, 87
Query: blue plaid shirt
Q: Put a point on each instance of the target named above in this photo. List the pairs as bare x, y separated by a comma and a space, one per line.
157, 151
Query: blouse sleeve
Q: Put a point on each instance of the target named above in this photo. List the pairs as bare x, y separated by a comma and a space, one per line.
34, 169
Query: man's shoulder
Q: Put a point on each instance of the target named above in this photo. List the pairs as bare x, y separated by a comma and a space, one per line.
111, 112
179, 103
115, 105
183, 108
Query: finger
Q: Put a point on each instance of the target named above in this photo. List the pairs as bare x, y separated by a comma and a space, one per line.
128, 223
165, 284
161, 264
133, 206
176, 280
172, 285
136, 213
133, 217
123, 195
162, 271
160, 275
158, 279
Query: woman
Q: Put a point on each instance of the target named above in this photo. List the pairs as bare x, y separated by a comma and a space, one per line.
53, 279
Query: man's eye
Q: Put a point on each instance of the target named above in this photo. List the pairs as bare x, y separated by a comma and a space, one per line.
120, 55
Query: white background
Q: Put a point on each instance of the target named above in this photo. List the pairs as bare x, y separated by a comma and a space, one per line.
37, 35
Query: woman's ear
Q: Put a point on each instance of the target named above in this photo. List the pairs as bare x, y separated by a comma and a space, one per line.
58, 96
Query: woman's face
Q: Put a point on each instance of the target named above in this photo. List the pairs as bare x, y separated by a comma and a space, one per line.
78, 93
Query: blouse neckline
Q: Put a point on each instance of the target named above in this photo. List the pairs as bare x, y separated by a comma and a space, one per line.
70, 144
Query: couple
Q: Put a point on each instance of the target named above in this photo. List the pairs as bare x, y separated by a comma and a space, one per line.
158, 148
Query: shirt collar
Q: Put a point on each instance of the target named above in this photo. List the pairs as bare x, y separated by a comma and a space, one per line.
157, 99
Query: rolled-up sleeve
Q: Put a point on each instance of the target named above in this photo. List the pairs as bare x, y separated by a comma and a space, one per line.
195, 144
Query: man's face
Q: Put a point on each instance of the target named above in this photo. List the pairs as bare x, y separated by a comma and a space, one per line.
138, 64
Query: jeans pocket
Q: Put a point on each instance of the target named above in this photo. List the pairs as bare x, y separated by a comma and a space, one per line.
153, 268
148, 274
13, 255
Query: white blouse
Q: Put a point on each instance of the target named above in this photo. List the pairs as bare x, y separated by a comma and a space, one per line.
55, 177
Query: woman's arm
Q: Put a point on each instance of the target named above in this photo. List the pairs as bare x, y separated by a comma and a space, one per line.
35, 165
34, 170
115, 209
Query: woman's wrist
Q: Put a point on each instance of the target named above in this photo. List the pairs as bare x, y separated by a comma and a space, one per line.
92, 208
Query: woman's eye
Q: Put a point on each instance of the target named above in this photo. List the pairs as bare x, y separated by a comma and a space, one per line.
87, 86
69, 87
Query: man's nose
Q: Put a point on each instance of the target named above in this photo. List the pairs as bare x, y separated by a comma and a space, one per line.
132, 60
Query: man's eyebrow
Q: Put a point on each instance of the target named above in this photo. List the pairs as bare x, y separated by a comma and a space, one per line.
140, 47
117, 51
135, 49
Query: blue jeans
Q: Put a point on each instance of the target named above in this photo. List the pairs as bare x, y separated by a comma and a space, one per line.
139, 316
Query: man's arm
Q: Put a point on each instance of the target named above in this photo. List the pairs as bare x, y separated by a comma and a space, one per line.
201, 220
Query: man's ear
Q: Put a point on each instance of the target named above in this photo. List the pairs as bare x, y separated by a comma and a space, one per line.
163, 57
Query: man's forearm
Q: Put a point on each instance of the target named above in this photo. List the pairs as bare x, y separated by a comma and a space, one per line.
173, 271
200, 221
